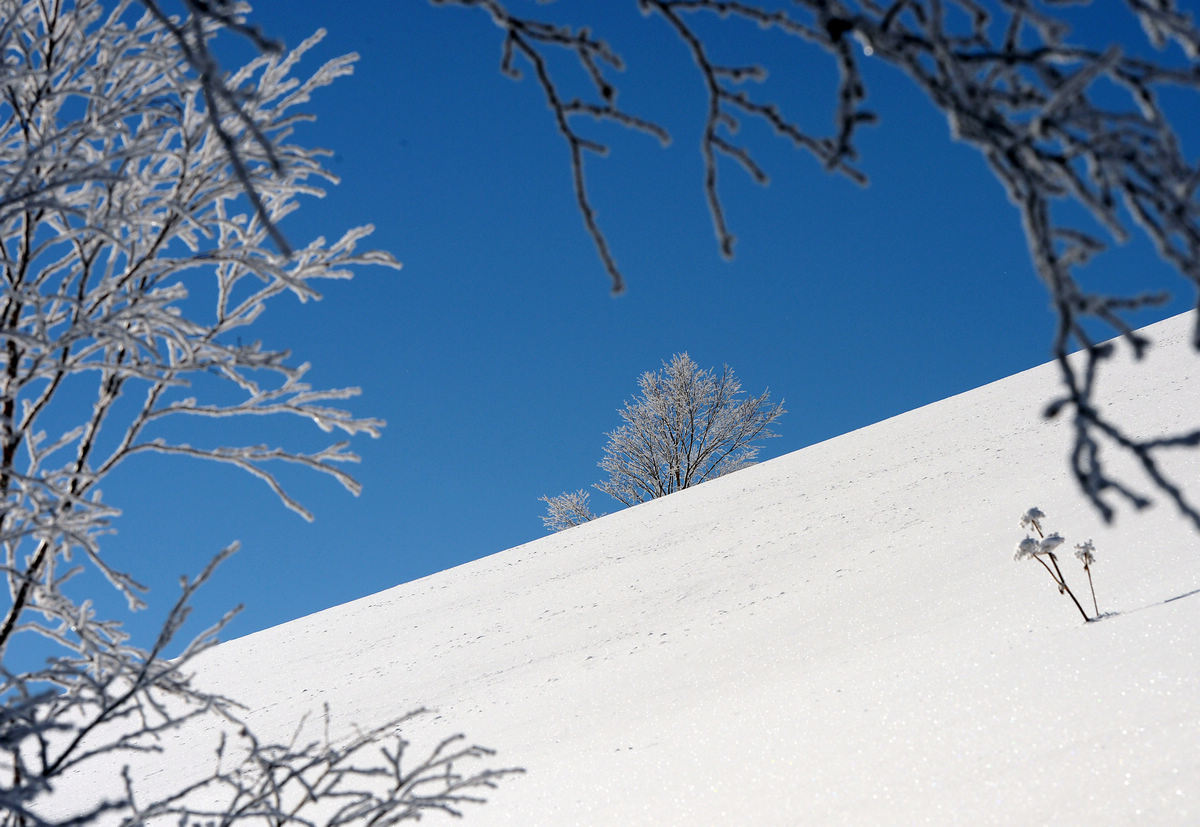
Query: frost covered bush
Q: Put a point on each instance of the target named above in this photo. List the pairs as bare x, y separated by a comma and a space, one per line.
1042, 549
567, 510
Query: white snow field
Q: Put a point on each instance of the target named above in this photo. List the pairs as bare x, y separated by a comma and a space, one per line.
837, 636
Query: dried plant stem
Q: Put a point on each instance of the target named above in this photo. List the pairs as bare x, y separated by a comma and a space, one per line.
1095, 605
1063, 588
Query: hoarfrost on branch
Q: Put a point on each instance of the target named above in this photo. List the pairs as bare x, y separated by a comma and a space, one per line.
140, 193
1077, 133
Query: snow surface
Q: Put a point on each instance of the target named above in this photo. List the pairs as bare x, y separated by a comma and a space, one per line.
839, 635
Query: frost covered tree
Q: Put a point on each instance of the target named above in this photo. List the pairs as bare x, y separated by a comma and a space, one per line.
1074, 120
685, 426
140, 191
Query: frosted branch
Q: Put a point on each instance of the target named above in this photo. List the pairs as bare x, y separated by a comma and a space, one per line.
1074, 130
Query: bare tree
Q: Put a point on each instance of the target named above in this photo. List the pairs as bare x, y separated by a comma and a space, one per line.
1074, 130
687, 425
126, 202
567, 510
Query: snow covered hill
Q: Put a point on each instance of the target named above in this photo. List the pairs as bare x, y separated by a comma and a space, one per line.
839, 635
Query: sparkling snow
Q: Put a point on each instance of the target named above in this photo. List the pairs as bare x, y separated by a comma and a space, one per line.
839, 635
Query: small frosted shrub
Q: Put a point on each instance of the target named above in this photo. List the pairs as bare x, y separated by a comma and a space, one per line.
1042, 549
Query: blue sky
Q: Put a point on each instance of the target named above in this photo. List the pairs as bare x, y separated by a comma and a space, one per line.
497, 355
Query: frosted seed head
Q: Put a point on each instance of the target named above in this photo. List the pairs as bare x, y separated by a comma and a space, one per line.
1086, 552
1032, 517
1050, 543
1026, 548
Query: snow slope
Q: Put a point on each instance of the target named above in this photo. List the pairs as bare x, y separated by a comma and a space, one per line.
839, 635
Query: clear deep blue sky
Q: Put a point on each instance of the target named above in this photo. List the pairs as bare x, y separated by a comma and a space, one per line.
498, 357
